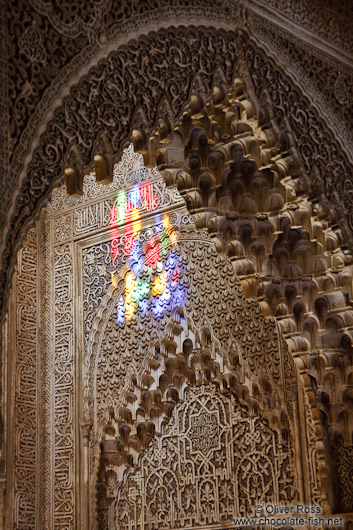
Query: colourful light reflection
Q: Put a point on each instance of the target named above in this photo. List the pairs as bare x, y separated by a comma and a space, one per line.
160, 283
126, 210
152, 280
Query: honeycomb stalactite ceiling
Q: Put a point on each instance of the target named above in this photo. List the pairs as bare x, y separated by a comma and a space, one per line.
154, 393
243, 182
58, 62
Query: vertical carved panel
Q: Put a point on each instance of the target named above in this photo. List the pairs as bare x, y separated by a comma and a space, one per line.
26, 388
313, 459
46, 386
63, 388
344, 462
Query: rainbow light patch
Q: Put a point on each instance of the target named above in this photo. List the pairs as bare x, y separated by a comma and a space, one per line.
151, 282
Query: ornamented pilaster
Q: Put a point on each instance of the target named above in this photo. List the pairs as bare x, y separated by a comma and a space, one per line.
63, 388
45, 506
26, 386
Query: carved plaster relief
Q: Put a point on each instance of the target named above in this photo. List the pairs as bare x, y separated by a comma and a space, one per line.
116, 383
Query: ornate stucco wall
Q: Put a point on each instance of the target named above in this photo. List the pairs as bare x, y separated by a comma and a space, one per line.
245, 107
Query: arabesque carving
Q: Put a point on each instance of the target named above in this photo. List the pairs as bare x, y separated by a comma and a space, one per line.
245, 184
211, 463
25, 429
43, 41
271, 193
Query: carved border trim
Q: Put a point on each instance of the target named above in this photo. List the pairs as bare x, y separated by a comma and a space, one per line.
25, 391
300, 32
306, 88
64, 405
45, 399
